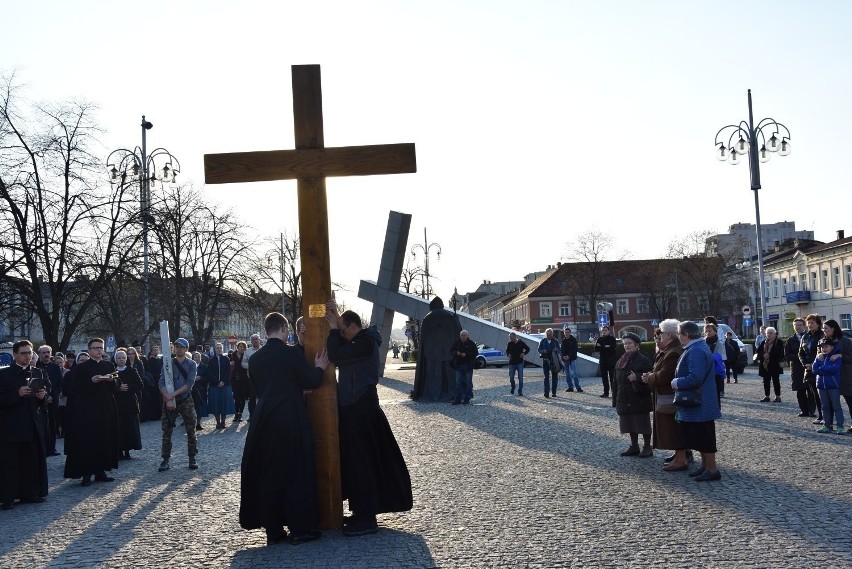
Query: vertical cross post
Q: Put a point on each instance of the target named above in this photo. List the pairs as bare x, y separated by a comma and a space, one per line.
316, 290
310, 163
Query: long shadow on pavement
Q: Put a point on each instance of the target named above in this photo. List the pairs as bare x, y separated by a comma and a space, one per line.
498, 421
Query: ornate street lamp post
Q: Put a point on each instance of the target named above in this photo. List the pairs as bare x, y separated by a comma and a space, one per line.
743, 140
425, 247
137, 165
281, 267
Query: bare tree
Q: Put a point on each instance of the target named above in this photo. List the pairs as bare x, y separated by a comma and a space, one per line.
707, 278
411, 273
64, 234
273, 257
589, 253
199, 254
120, 309
660, 283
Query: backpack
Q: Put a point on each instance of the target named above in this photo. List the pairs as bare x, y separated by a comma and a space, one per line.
720, 365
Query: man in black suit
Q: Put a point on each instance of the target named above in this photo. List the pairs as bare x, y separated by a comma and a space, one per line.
23, 467
278, 479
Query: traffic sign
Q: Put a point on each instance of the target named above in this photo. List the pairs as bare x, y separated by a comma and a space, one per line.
603, 319
746, 321
110, 344
746, 310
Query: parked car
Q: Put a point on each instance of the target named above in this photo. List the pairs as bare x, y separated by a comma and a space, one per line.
846, 332
490, 357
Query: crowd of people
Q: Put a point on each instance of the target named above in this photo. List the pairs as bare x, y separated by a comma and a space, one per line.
673, 402
96, 402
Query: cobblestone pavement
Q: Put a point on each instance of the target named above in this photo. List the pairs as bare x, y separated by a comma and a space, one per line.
504, 482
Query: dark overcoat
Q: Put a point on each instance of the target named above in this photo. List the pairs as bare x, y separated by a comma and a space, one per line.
434, 380
770, 357
797, 370
633, 396
278, 478
666, 429
844, 347
23, 466
92, 444
129, 405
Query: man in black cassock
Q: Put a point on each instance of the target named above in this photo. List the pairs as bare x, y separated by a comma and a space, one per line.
374, 477
434, 380
23, 467
92, 444
278, 479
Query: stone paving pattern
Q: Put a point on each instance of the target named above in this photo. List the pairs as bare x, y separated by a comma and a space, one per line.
505, 482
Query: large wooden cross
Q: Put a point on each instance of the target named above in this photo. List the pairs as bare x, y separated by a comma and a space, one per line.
310, 163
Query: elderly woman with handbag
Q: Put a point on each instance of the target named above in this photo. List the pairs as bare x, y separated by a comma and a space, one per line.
632, 397
695, 395
666, 433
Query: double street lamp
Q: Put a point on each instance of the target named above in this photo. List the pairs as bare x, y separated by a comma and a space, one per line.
742, 141
137, 165
425, 247
281, 267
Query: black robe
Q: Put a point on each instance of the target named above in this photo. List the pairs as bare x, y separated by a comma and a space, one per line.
373, 472
278, 479
152, 399
92, 442
128, 403
434, 380
23, 466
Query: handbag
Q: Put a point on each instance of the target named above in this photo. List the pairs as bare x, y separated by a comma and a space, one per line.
687, 399
664, 405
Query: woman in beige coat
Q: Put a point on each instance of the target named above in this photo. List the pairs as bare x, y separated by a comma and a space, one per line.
666, 433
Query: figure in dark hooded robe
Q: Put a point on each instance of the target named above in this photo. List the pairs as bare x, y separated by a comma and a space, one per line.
434, 380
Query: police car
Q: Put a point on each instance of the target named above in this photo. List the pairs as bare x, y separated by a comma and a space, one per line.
490, 357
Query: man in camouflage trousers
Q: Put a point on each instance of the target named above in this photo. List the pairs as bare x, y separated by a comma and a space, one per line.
179, 402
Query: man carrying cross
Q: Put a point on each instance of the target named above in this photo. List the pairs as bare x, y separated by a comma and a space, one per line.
310, 163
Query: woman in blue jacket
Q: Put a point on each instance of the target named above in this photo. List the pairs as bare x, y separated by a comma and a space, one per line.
696, 371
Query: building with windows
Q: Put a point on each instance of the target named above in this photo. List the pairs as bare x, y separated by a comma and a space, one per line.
486, 293
810, 278
642, 292
741, 238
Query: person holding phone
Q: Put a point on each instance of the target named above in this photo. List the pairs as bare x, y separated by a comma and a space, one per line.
23, 465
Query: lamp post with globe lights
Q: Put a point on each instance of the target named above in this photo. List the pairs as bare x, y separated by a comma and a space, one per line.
425, 247
129, 166
758, 143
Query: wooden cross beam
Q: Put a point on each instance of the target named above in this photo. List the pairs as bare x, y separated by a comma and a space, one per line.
310, 163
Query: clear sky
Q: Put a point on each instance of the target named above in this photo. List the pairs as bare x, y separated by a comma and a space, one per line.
534, 121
